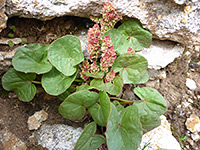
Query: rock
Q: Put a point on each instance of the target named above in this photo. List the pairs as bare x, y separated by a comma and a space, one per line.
165, 19
10, 141
6, 59
14, 40
34, 121
193, 123
3, 17
191, 84
58, 136
195, 136
82, 35
161, 53
160, 138
154, 84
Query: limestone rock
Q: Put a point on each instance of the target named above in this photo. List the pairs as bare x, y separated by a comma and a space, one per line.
58, 136
160, 138
165, 19
3, 18
14, 40
161, 53
191, 84
10, 141
34, 121
193, 123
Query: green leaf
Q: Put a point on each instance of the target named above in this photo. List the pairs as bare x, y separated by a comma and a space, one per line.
55, 83
137, 37
83, 87
20, 83
151, 106
132, 67
13, 28
124, 130
88, 140
97, 84
119, 41
24, 40
100, 112
65, 53
32, 59
74, 106
115, 87
64, 95
11, 35
10, 43
98, 75
144, 78
118, 105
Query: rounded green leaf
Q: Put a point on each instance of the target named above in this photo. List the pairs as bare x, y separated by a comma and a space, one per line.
88, 140
119, 41
124, 131
32, 59
100, 112
137, 37
55, 83
132, 67
65, 53
97, 84
151, 106
20, 83
74, 106
115, 87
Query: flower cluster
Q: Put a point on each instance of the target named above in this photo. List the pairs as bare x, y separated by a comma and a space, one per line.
130, 51
110, 76
85, 68
110, 17
108, 55
93, 42
94, 68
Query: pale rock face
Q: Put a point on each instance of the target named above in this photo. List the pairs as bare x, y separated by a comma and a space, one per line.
57, 137
160, 138
165, 19
161, 53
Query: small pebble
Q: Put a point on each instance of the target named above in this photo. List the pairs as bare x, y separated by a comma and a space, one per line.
190, 100
191, 84
193, 123
195, 136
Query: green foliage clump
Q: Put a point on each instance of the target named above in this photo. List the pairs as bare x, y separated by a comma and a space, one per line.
59, 63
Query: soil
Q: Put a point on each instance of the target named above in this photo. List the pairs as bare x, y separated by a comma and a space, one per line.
14, 113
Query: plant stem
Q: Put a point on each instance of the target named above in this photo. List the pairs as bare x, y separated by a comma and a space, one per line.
36, 82
78, 80
123, 100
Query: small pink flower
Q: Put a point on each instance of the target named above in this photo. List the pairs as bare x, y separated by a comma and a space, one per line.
94, 68
110, 17
94, 36
108, 55
130, 51
110, 76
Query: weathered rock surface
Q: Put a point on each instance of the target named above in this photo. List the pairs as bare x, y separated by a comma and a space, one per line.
161, 53
58, 136
34, 121
165, 19
190, 84
10, 141
193, 123
3, 17
160, 138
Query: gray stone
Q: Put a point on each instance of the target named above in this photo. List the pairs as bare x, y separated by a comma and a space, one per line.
165, 19
160, 138
57, 137
161, 53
